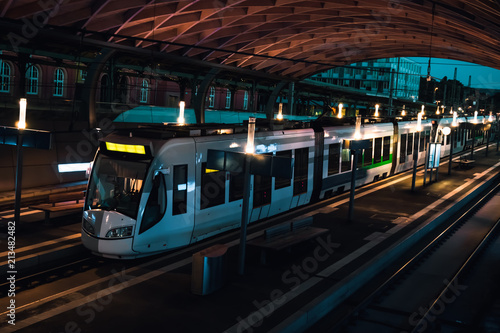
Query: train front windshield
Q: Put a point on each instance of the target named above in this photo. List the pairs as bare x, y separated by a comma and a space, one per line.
115, 185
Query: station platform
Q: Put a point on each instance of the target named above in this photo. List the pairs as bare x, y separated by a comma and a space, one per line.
292, 289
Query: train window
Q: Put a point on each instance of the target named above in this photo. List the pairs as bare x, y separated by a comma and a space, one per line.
334, 159
409, 146
416, 141
377, 154
283, 182
262, 190
386, 156
346, 160
213, 187
236, 182
300, 171
157, 202
422, 142
402, 149
367, 156
179, 203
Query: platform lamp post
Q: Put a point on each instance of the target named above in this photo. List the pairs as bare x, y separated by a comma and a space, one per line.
249, 150
21, 126
356, 146
454, 125
415, 153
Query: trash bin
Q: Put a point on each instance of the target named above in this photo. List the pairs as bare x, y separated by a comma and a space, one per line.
209, 270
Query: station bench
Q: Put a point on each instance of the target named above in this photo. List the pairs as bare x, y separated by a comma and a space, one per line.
60, 202
286, 235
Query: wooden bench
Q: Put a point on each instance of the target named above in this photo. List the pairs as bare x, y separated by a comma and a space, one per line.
60, 202
286, 235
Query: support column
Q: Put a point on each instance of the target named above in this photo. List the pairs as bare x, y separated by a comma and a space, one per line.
90, 86
291, 98
199, 102
272, 100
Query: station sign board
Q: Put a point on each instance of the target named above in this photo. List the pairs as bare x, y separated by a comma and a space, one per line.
434, 155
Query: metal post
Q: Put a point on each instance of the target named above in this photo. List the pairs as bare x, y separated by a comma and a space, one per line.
415, 158
487, 141
244, 216
353, 184
451, 152
473, 141
19, 177
426, 162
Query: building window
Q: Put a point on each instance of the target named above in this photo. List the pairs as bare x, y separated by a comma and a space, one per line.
32, 76
228, 99
211, 97
144, 96
245, 100
4, 77
58, 82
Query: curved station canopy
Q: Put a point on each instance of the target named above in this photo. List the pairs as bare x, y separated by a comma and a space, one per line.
283, 38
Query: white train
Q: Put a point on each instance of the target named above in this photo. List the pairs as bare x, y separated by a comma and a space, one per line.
150, 190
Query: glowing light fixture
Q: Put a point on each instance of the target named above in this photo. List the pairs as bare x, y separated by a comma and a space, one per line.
22, 114
280, 112
123, 148
181, 120
423, 109
339, 115
446, 130
419, 122
73, 167
357, 132
376, 110
250, 148
475, 117
490, 118
454, 122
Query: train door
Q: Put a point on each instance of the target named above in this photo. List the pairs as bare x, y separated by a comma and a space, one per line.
168, 216
262, 195
300, 177
282, 190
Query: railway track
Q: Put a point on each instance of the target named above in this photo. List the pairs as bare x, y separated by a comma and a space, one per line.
438, 289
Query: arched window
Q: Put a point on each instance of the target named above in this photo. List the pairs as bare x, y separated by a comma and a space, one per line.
144, 96
211, 98
59, 82
228, 99
4, 76
245, 100
32, 77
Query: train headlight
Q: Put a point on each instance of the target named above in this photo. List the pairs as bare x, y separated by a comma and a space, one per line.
119, 232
